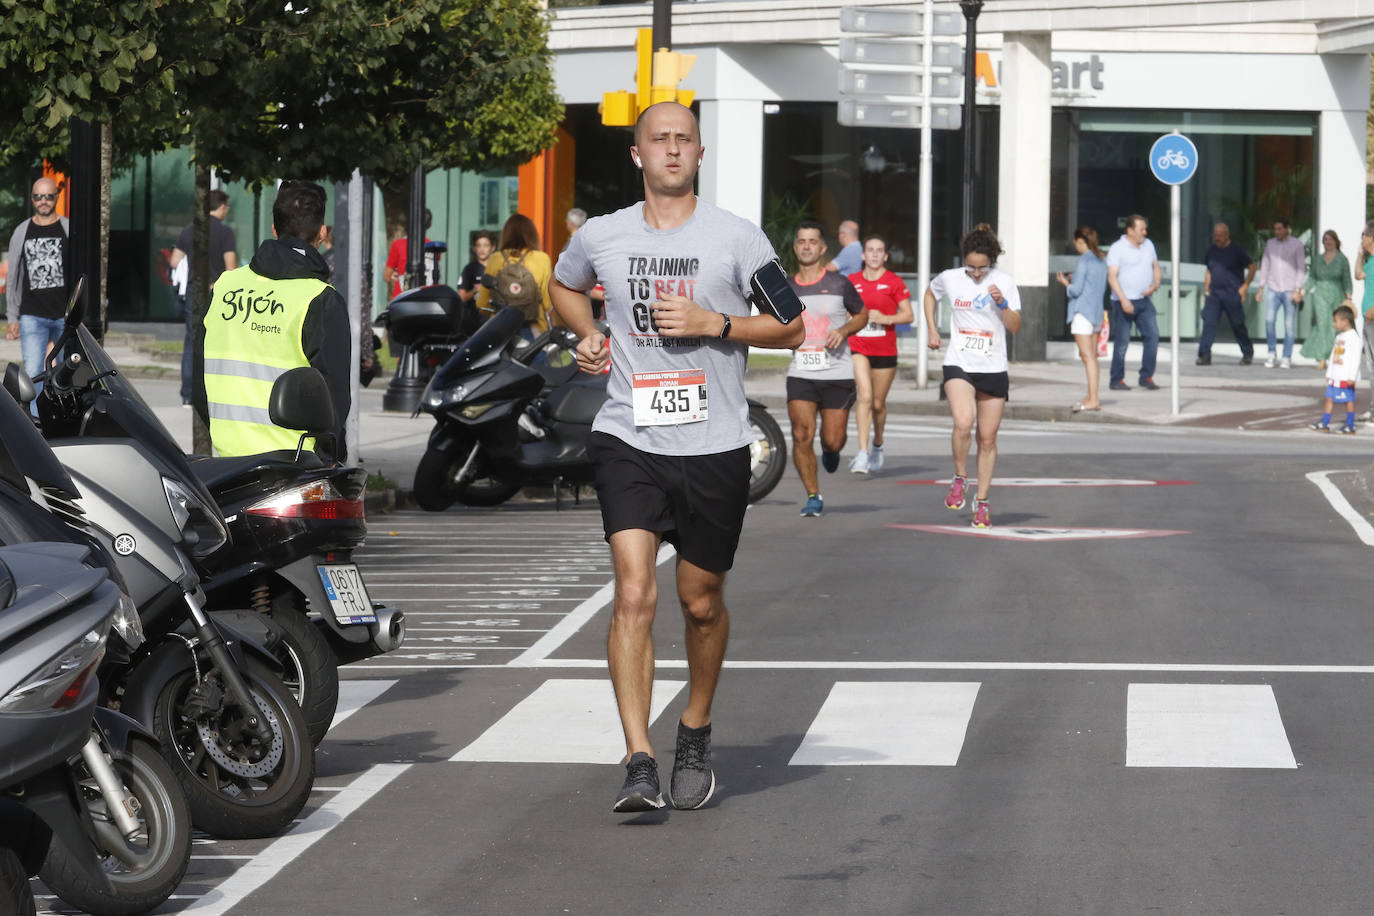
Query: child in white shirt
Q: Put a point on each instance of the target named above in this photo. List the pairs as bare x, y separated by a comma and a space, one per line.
1342, 369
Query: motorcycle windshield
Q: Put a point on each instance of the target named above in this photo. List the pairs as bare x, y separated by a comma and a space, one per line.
24, 452
126, 414
491, 336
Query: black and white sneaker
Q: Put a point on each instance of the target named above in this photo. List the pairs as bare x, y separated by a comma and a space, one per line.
693, 780
640, 792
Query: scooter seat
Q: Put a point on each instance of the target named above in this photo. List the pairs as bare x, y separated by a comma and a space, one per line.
216, 472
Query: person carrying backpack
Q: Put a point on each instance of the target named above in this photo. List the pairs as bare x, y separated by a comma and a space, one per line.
521, 272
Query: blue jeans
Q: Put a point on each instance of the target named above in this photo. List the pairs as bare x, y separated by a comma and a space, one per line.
1228, 304
188, 315
1147, 324
1272, 300
34, 336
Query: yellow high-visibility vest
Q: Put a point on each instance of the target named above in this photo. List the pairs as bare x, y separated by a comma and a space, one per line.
253, 335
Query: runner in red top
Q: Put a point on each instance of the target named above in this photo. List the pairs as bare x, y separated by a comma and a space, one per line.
875, 349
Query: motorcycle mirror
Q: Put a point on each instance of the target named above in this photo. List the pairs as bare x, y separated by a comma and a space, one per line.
300, 400
18, 384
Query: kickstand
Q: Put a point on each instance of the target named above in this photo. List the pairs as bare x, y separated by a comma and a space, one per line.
558, 494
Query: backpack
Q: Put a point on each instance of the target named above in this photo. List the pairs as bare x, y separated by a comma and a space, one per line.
517, 288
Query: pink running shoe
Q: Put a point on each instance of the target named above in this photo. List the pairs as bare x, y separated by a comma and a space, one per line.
980, 513
955, 500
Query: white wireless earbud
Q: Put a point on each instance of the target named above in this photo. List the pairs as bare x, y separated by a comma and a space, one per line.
638, 164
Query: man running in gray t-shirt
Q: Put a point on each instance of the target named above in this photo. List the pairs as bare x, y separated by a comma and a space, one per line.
671, 443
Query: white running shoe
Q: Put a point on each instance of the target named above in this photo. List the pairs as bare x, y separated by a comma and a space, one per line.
1270, 362
859, 464
875, 459
1285, 363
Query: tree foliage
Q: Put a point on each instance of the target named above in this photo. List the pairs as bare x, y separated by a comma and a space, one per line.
266, 88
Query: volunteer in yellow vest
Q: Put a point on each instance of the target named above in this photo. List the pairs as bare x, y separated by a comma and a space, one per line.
277, 313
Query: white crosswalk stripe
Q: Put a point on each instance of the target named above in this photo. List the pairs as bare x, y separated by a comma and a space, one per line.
908, 723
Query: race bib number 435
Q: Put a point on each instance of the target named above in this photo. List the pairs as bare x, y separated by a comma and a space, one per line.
670, 397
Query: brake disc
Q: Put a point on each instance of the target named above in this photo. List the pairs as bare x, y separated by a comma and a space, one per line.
238, 765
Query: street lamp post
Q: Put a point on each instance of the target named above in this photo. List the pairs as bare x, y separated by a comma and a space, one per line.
971, 10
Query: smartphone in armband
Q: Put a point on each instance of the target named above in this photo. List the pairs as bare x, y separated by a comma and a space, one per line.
773, 295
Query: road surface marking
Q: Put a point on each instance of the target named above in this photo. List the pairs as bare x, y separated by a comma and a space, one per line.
1205, 725
264, 866
889, 724
354, 695
1059, 482
1030, 533
568, 626
563, 721
1363, 530
843, 665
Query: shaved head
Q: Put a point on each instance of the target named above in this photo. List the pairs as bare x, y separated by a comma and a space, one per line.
661, 108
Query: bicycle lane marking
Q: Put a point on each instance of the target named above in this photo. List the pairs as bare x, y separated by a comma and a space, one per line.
264, 866
1336, 498
564, 630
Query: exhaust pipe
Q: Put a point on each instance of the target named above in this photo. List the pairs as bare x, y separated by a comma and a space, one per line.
391, 629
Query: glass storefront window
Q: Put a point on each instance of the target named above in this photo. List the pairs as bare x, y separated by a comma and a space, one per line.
815, 168
1253, 168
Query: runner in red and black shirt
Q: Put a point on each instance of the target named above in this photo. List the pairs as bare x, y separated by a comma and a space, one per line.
874, 349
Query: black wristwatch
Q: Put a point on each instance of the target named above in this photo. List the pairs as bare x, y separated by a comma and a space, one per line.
725, 331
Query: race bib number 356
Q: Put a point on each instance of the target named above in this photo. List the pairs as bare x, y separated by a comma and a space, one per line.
670, 397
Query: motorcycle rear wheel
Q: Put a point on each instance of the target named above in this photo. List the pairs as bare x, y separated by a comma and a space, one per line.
229, 798
436, 486
162, 847
767, 453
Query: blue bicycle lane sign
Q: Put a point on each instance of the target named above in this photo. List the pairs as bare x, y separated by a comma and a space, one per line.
1173, 158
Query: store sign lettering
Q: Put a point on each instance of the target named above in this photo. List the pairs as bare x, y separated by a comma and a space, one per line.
1064, 74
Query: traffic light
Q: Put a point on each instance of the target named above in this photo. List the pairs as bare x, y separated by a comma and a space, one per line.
657, 74
671, 68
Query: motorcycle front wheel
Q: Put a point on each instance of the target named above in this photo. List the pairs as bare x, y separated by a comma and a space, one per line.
437, 486
144, 870
767, 453
237, 786
309, 668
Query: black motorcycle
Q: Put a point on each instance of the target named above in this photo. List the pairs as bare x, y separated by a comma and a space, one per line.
294, 522
510, 413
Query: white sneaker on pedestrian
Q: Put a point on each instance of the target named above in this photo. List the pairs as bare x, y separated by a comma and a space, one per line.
1270, 362
859, 464
1285, 363
875, 459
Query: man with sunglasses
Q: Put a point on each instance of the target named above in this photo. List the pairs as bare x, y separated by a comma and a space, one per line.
278, 313
38, 277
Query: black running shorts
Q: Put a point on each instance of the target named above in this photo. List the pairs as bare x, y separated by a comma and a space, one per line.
695, 502
993, 384
880, 362
830, 393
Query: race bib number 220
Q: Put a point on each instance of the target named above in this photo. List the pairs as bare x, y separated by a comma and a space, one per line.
670, 397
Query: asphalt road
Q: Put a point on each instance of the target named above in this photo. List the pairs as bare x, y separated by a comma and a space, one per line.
1170, 713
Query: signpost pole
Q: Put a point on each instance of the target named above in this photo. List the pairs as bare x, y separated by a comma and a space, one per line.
1175, 242
923, 206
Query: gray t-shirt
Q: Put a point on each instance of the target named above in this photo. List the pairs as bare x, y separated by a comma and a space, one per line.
830, 301
709, 259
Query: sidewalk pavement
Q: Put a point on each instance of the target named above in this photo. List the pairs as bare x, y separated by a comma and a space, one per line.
1224, 395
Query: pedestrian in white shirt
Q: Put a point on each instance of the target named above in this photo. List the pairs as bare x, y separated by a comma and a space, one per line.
1133, 276
1282, 275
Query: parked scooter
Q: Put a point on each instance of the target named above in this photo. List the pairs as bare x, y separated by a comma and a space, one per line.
229, 727
502, 422
137, 814
294, 522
